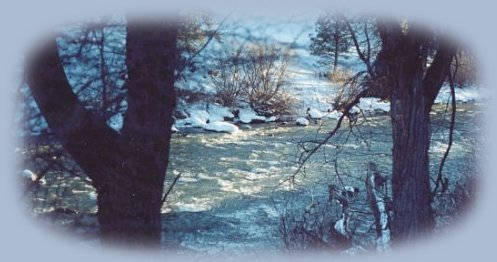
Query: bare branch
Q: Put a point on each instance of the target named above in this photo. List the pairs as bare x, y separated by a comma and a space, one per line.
306, 155
438, 70
439, 182
170, 188
365, 59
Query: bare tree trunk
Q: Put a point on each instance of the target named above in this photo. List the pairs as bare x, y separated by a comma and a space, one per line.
414, 87
127, 168
410, 110
129, 209
410, 177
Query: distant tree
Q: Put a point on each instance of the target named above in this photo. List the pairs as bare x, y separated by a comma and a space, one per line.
127, 168
332, 37
195, 32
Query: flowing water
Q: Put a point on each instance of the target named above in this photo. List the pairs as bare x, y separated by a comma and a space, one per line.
234, 188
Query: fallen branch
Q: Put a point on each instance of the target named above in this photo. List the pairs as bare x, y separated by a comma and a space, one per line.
378, 205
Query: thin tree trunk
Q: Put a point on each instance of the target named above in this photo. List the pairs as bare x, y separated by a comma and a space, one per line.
335, 61
337, 43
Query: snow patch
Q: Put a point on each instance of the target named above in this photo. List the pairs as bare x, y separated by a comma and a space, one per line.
28, 174
355, 110
463, 95
314, 113
116, 122
219, 126
302, 121
198, 118
248, 115
271, 119
372, 104
340, 226
334, 115
218, 113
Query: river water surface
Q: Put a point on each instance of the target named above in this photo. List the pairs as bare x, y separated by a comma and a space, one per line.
234, 188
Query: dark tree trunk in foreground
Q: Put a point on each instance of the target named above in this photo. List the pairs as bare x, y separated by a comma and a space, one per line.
126, 168
414, 87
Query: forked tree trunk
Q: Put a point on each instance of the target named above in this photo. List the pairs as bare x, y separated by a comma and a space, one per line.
126, 168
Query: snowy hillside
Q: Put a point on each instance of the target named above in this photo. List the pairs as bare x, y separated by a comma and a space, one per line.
303, 80
303, 77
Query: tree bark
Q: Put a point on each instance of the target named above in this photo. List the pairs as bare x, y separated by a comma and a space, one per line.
127, 168
414, 87
410, 173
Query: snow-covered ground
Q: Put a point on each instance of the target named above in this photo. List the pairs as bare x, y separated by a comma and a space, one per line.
313, 93
463, 95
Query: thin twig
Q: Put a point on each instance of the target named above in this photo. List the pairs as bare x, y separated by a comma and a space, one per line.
306, 155
170, 188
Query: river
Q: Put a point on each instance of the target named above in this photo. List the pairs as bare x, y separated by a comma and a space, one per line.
235, 188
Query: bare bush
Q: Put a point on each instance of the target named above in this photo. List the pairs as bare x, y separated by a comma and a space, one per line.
254, 75
350, 90
265, 71
339, 76
228, 78
344, 219
335, 223
458, 196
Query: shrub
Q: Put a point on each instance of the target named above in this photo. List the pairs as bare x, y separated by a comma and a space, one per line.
264, 76
255, 76
228, 77
339, 76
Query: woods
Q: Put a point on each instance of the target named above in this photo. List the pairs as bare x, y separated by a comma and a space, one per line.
119, 132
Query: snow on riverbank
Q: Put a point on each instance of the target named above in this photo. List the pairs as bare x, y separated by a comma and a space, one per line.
247, 116
217, 118
304, 79
219, 126
302, 121
463, 95
371, 104
314, 113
